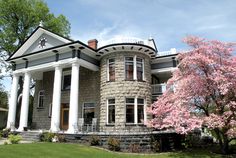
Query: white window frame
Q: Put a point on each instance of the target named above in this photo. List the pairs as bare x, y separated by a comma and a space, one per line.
135, 77
107, 120
136, 110
65, 73
108, 69
39, 98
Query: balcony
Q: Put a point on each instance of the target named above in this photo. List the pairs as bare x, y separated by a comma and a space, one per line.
158, 88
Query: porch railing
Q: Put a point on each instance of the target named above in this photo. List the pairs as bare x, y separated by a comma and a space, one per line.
158, 88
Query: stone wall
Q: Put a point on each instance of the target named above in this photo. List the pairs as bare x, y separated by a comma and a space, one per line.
88, 92
120, 89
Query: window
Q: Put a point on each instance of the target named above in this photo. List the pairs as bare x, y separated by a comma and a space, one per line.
140, 110
40, 99
88, 112
139, 65
111, 111
134, 110
111, 70
129, 68
129, 110
66, 80
134, 68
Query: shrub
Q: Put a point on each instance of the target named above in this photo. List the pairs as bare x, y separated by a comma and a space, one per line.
5, 132
113, 144
61, 138
155, 144
94, 140
134, 148
14, 139
47, 136
5, 143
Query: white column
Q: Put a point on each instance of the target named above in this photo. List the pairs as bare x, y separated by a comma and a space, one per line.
74, 98
25, 102
12, 103
56, 100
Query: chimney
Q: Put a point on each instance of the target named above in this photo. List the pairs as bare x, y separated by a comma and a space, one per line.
93, 43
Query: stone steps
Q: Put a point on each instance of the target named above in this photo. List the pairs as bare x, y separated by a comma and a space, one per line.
30, 136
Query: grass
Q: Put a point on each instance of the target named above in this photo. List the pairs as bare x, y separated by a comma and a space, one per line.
59, 150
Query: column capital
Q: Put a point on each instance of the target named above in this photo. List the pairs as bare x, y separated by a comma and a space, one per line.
75, 61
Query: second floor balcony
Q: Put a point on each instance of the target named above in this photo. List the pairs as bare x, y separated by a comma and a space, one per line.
158, 88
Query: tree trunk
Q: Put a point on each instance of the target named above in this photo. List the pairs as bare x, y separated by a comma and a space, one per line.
225, 145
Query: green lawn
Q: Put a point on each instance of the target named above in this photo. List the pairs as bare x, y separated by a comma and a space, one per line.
57, 150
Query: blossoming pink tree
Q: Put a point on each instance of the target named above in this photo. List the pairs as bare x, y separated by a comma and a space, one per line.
202, 92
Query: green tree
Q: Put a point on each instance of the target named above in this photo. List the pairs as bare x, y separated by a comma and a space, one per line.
19, 18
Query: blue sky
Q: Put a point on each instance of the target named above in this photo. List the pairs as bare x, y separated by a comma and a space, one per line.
167, 21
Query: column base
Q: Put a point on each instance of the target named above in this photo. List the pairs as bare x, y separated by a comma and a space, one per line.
21, 129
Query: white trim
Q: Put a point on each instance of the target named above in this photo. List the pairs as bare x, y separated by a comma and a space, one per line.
35, 37
163, 70
62, 63
136, 110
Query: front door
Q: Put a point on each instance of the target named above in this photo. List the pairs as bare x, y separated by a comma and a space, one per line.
64, 116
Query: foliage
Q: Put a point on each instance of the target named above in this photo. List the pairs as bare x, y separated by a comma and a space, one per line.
5, 132
3, 98
113, 144
155, 144
134, 148
61, 138
47, 136
94, 140
5, 143
62, 150
14, 139
202, 91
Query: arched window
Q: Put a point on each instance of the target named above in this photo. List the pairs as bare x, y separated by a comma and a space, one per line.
41, 99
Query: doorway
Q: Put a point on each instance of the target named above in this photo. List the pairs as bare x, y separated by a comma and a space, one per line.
64, 116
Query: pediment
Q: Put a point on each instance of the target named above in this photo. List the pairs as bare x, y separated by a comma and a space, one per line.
39, 40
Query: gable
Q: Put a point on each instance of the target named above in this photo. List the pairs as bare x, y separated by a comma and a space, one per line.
32, 44
50, 42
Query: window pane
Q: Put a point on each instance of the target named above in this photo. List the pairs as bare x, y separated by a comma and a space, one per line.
111, 114
111, 101
129, 113
67, 82
130, 100
89, 112
139, 69
140, 101
111, 67
140, 113
129, 68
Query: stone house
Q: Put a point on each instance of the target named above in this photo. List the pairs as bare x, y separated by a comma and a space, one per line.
100, 87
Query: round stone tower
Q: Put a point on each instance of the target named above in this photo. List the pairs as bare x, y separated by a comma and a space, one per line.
125, 85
